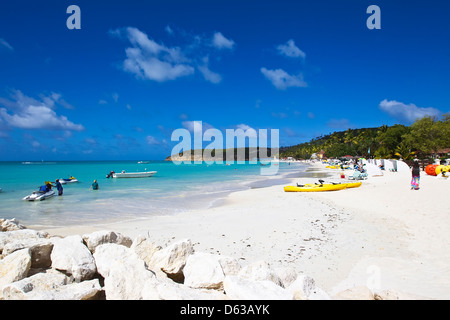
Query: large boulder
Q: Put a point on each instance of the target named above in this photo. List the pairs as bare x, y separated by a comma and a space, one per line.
51, 285
305, 288
144, 248
259, 271
71, 256
169, 290
14, 267
172, 259
239, 288
10, 225
40, 249
124, 272
203, 270
19, 235
94, 239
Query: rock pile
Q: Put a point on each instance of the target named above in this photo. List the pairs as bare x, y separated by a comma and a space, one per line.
108, 265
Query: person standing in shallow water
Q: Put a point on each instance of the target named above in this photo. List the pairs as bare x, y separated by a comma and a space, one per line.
94, 185
59, 187
415, 180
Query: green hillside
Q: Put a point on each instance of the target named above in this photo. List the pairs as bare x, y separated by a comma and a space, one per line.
426, 138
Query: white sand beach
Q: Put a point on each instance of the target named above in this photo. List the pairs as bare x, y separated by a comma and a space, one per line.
382, 235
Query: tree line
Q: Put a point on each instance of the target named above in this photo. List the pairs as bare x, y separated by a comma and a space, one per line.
422, 139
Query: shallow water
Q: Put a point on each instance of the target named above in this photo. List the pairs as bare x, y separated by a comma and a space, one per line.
174, 189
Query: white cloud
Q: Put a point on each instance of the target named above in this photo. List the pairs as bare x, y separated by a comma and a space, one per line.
39, 117
282, 80
196, 126
207, 73
220, 42
152, 140
6, 45
150, 60
91, 141
28, 113
406, 112
291, 50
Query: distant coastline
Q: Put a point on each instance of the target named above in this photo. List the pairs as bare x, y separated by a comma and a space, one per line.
239, 154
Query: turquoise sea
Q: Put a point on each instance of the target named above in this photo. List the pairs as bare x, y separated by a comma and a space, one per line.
174, 189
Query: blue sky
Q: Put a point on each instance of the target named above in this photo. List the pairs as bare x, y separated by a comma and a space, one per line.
137, 70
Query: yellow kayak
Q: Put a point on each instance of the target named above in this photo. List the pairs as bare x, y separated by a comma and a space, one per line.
315, 188
353, 184
439, 169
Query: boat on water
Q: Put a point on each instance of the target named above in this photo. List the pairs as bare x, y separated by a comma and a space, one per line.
70, 180
39, 195
141, 162
124, 174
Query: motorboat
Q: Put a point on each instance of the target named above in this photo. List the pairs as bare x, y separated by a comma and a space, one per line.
39, 195
124, 174
70, 180
142, 162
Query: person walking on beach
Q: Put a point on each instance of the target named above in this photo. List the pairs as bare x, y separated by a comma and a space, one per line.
415, 176
94, 185
59, 187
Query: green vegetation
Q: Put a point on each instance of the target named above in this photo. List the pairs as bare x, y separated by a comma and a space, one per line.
424, 138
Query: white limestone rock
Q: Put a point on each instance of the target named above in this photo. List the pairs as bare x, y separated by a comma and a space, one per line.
124, 272
19, 235
305, 288
144, 248
172, 259
73, 257
169, 290
94, 239
40, 249
287, 275
10, 225
14, 267
239, 288
51, 285
203, 270
260, 270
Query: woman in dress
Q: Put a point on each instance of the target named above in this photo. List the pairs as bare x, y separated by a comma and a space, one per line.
415, 176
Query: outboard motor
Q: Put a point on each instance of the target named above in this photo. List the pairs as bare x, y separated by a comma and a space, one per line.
109, 175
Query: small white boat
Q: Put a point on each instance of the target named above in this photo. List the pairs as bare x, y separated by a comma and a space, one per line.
124, 174
70, 180
39, 195
141, 162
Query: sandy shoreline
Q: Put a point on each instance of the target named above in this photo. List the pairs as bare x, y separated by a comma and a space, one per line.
382, 235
